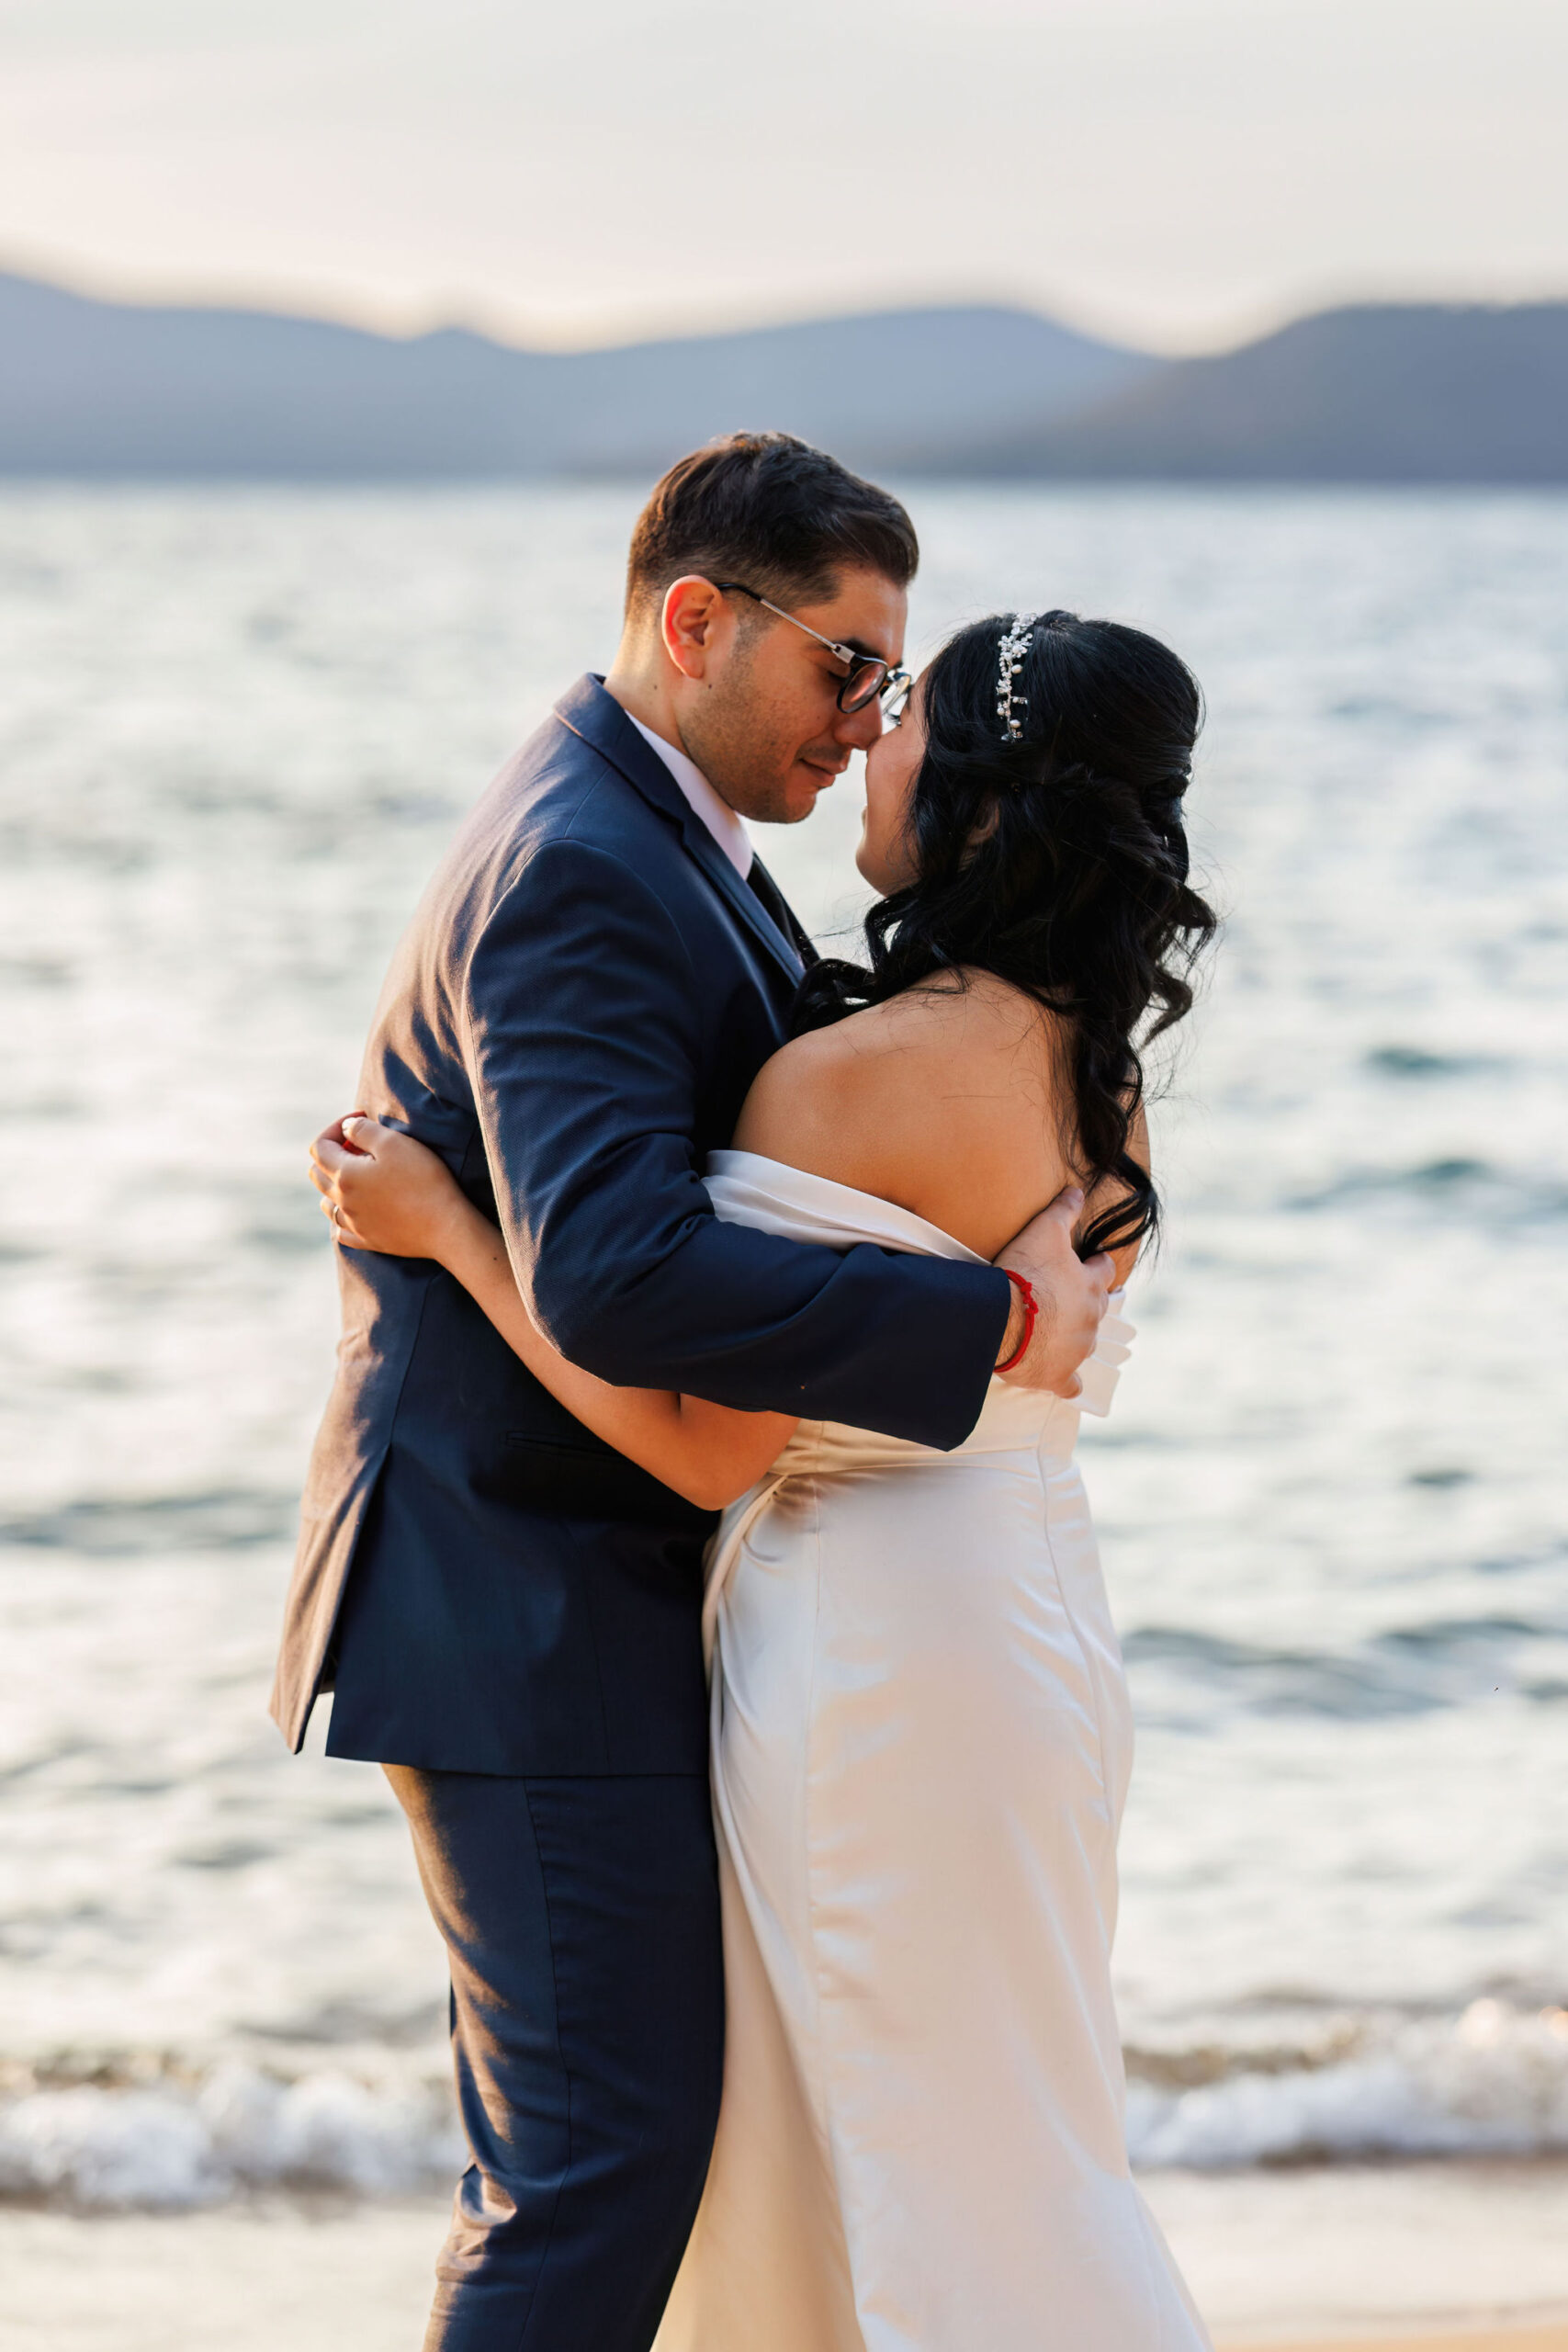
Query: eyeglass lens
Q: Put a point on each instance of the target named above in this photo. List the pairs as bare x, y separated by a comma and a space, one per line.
863, 685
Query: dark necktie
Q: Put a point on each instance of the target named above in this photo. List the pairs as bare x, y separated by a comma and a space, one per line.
772, 899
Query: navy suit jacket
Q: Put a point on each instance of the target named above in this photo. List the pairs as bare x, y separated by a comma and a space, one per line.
572, 1021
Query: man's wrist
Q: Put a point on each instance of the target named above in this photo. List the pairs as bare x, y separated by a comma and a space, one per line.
1012, 1337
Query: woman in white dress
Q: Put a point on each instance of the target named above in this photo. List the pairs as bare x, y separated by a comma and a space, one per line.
920, 1730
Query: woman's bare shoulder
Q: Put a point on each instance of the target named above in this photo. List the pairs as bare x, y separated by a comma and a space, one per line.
796, 1097
945, 1099
927, 1032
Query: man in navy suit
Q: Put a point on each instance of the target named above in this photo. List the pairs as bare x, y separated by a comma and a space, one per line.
506, 1611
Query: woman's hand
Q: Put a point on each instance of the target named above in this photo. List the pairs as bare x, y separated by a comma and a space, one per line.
385, 1191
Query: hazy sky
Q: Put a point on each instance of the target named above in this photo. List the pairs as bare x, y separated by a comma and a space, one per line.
1177, 171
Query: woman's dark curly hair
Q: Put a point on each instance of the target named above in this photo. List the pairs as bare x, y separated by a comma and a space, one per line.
1058, 862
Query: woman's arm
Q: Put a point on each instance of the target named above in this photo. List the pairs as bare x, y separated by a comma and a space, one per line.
385, 1191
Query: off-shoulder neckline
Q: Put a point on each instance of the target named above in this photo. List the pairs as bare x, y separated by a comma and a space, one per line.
947, 1245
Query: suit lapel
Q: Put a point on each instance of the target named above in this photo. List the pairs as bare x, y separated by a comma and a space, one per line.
779, 943
599, 720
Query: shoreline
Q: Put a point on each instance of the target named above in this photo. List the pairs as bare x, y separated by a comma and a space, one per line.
1427, 2257
1501, 2336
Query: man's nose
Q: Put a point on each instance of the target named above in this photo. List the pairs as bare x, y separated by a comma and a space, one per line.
859, 730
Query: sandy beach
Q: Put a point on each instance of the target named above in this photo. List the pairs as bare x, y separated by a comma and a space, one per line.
1495, 2335
1499, 2338
1448, 2257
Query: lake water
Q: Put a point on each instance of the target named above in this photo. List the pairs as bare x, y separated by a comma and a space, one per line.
236, 730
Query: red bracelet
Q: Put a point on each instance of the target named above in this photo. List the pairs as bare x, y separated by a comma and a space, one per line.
1030, 1310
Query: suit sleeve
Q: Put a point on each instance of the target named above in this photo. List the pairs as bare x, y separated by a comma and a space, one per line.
584, 1044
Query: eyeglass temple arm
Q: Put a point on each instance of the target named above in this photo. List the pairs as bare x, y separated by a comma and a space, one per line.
845, 652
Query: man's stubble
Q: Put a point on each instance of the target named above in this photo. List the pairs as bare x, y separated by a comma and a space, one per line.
745, 745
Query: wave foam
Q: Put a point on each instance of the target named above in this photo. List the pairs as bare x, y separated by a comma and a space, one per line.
238, 2129
1493, 2084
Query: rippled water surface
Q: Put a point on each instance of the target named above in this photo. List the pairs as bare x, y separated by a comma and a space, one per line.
235, 731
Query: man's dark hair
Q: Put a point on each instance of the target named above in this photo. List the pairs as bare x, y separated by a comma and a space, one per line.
769, 511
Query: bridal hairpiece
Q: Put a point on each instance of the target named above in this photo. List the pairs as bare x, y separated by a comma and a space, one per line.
1012, 647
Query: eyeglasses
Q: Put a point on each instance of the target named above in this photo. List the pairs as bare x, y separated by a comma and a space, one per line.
865, 678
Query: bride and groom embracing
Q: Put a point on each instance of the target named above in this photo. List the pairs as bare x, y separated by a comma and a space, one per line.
649, 1215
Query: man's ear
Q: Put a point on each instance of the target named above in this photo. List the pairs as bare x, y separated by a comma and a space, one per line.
693, 624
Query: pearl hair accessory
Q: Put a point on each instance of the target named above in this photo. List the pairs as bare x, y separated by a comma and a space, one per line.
1011, 650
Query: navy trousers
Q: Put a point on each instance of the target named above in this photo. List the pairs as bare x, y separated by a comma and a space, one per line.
581, 1920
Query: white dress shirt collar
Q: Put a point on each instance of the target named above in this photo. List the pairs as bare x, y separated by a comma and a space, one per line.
715, 813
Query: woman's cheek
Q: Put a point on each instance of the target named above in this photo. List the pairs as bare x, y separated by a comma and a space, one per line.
869, 856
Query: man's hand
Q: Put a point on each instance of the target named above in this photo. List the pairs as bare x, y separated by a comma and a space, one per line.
1071, 1293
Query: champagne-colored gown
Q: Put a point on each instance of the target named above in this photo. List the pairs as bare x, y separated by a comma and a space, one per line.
921, 1741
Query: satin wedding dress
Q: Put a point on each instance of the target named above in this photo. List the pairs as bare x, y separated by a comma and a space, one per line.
921, 1748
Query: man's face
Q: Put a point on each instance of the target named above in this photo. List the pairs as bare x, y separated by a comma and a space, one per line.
762, 723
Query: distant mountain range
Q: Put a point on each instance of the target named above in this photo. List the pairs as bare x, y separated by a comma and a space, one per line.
1390, 393
110, 388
